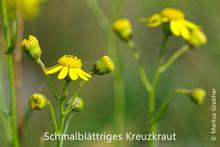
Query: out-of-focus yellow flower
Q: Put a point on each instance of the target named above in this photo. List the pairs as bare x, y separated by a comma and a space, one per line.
69, 64
103, 66
37, 101
198, 95
31, 47
30, 8
175, 18
123, 29
197, 38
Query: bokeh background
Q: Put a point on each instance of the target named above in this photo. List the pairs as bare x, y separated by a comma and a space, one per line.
69, 27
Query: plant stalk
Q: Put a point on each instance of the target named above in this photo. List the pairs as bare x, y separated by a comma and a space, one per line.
10, 62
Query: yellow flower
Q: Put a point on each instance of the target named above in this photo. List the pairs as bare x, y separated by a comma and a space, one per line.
103, 66
175, 18
30, 8
37, 101
123, 29
31, 47
198, 95
69, 64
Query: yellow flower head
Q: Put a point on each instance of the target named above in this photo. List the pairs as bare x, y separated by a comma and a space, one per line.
172, 14
123, 29
30, 8
103, 66
175, 18
198, 95
37, 101
31, 47
69, 65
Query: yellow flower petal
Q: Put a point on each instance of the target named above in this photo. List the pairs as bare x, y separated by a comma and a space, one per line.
63, 73
174, 27
190, 25
86, 74
184, 31
73, 74
81, 75
154, 21
53, 69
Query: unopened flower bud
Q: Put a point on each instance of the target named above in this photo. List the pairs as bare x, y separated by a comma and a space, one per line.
197, 38
198, 95
123, 29
78, 104
31, 47
37, 101
103, 66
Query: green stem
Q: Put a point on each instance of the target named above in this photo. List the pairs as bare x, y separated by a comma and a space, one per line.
11, 75
118, 83
12, 100
62, 111
50, 82
142, 72
162, 109
151, 106
151, 100
163, 106
53, 114
174, 57
4, 114
162, 50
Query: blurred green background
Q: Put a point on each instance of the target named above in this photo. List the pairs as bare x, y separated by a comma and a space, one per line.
68, 27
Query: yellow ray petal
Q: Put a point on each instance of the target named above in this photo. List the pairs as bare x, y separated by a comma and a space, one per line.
53, 69
154, 21
73, 74
185, 33
191, 25
86, 74
81, 75
174, 27
63, 73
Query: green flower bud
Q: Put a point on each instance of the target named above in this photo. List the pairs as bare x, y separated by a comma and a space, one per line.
31, 47
198, 95
103, 66
123, 29
37, 101
197, 38
78, 104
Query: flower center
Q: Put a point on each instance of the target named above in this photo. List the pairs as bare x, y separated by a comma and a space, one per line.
172, 14
70, 61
